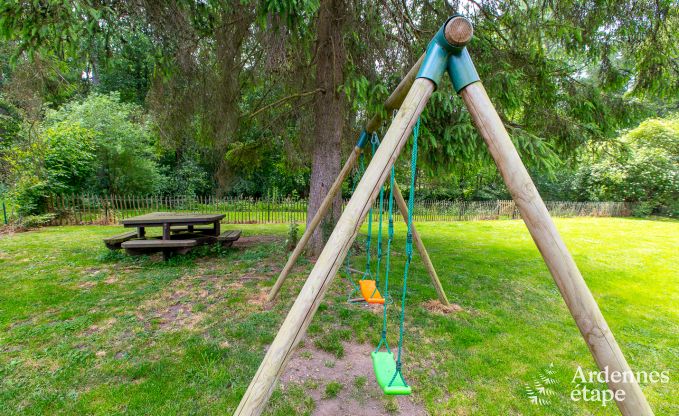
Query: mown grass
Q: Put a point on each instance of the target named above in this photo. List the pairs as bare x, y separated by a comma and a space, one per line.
86, 331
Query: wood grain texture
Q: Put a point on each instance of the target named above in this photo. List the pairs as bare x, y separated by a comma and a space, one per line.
160, 218
297, 321
570, 282
459, 31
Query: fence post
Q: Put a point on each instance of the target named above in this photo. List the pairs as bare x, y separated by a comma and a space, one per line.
4, 211
105, 203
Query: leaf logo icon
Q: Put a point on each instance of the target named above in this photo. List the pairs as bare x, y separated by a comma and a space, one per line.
539, 391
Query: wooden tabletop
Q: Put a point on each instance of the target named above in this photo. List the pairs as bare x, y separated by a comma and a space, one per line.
175, 218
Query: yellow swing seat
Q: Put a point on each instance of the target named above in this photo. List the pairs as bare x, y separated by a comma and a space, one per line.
370, 292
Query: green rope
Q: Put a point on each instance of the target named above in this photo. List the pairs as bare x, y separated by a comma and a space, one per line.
379, 233
409, 250
368, 272
387, 266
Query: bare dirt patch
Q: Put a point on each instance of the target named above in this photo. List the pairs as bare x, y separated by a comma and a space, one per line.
188, 302
8, 230
102, 326
256, 275
254, 240
359, 395
178, 316
435, 306
173, 310
259, 299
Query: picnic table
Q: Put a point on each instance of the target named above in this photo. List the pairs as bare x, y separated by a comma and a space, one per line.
181, 232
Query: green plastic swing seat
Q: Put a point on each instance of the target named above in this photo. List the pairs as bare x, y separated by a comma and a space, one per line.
385, 367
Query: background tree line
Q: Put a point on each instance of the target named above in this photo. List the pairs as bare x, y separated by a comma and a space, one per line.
268, 96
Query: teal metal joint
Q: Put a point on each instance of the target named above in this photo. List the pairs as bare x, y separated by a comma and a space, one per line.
436, 59
363, 139
442, 56
461, 69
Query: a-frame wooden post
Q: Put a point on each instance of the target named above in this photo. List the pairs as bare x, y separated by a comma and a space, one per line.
392, 103
574, 290
570, 282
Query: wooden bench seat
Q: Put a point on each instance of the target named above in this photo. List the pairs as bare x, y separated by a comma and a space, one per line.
157, 243
227, 238
167, 247
115, 242
231, 235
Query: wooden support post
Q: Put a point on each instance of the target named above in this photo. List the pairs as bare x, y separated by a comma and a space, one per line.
572, 286
318, 217
392, 103
297, 321
403, 207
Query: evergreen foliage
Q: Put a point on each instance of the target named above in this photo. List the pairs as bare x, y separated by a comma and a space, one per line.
217, 97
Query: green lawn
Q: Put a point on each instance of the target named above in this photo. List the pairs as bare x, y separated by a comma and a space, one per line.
85, 331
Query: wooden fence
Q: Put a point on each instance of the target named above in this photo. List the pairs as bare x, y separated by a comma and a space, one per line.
110, 209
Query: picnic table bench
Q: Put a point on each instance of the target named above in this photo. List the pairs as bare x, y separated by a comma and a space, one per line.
115, 242
179, 236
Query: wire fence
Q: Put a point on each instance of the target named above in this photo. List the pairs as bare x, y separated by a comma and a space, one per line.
111, 209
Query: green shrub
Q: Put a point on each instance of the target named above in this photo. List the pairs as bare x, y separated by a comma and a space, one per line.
34, 221
293, 237
122, 144
69, 158
641, 166
186, 177
30, 196
643, 209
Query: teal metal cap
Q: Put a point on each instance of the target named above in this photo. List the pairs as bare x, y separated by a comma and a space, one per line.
461, 69
362, 139
435, 61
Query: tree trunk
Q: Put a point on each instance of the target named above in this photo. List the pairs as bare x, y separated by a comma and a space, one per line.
229, 39
328, 117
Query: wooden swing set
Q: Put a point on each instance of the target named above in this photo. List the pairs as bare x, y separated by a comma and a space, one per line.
446, 52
